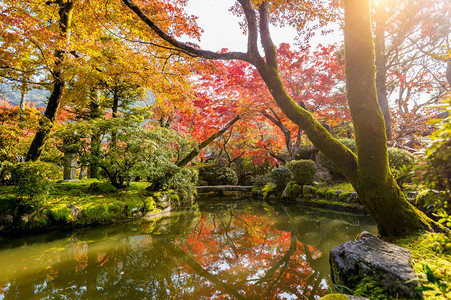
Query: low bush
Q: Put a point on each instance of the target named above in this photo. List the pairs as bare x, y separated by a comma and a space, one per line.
399, 157
281, 177
32, 179
261, 180
303, 170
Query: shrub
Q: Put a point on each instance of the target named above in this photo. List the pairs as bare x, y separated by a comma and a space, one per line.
399, 157
184, 184
304, 152
32, 179
331, 166
261, 180
218, 175
435, 170
303, 170
281, 177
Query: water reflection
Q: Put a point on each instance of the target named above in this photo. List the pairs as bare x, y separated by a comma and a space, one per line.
238, 249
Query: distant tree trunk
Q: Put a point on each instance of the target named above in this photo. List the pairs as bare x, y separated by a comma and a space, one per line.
274, 118
381, 69
448, 71
205, 143
114, 109
94, 156
46, 121
23, 94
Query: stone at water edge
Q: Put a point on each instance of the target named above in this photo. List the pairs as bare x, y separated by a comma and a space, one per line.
370, 257
342, 297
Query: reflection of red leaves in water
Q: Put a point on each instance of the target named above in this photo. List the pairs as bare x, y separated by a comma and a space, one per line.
245, 252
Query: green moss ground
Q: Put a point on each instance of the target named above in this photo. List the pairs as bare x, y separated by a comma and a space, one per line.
337, 186
422, 249
105, 205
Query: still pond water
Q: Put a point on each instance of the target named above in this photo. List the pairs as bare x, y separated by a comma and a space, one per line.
226, 249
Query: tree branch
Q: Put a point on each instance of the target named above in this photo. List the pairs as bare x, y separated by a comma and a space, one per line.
268, 45
189, 50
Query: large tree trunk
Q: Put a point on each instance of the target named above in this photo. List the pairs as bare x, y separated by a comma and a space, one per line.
375, 184
46, 121
205, 143
381, 69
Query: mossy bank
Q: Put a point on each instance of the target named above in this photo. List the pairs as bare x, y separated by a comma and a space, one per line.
82, 203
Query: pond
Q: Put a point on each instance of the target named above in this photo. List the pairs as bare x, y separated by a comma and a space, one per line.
226, 248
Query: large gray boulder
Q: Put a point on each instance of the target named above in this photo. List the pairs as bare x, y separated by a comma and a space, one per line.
370, 257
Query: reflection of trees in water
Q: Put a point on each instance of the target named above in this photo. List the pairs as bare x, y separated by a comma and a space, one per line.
240, 250
244, 254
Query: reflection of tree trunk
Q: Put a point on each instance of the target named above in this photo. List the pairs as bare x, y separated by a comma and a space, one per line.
283, 261
182, 255
91, 273
381, 69
46, 121
205, 143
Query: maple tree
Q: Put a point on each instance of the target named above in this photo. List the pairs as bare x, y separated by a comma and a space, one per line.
368, 172
76, 47
314, 81
408, 35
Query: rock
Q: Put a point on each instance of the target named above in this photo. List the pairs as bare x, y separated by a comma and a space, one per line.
7, 218
74, 211
369, 257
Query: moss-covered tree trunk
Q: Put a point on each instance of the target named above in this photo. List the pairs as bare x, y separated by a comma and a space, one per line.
375, 184
381, 68
46, 122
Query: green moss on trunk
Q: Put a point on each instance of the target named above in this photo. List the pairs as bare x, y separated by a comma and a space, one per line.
375, 184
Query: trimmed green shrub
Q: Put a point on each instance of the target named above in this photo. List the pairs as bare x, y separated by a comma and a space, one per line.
303, 170
218, 175
331, 166
281, 177
399, 157
32, 179
304, 152
261, 180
